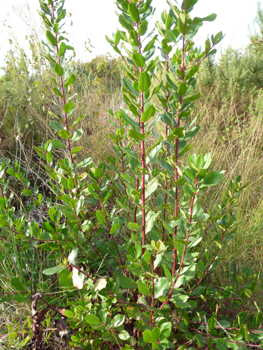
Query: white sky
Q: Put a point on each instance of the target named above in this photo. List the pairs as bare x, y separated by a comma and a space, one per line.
96, 18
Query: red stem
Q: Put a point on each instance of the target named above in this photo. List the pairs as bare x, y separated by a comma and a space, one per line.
176, 163
142, 158
2, 192
63, 92
166, 147
152, 304
185, 249
114, 240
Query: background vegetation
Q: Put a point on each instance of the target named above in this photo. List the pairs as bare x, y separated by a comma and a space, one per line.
231, 129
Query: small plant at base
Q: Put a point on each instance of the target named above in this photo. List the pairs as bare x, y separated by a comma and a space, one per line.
130, 266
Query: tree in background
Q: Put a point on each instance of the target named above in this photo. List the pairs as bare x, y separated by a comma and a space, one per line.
256, 38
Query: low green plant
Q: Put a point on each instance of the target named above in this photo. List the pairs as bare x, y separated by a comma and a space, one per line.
124, 237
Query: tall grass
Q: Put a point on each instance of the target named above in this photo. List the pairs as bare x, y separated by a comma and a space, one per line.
231, 108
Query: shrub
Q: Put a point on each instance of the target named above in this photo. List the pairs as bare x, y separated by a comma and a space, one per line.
121, 240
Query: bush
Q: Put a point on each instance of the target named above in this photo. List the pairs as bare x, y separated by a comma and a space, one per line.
120, 241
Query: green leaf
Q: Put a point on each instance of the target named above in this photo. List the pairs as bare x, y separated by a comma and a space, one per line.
213, 179
165, 329
156, 334
134, 12
190, 3
150, 44
130, 88
127, 283
114, 228
151, 218
50, 58
179, 132
133, 38
68, 107
143, 27
69, 313
116, 49
117, 37
129, 120
183, 22
134, 226
125, 24
138, 59
118, 320
76, 150
62, 49
148, 113
92, 319
209, 18
77, 121
61, 16
147, 336
192, 132
192, 98
53, 270
55, 28
136, 135
171, 36
11, 172
221, 344
143, 289
58, 70
27, 192
207, 45
185, 149
248, 293
65, 279
77, 135
58, 93
150, 189
69, 47
124, 335
84, 163
217, 38
186, 276
168, 22
130, 153
167, 273
70, 81
101, 218
200, 339
23, 342
57, 144
98, 173
53, 41
56, 125
182, 88
64, 134
17, 284
161, 287
153, 154
144, 82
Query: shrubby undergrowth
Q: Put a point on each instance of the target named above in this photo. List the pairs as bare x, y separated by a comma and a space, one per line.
121, 242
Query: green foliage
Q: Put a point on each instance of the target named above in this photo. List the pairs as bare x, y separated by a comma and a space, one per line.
129, 265
235, 78
256, 37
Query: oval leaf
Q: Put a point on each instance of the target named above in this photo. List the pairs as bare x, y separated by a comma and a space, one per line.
53, 270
